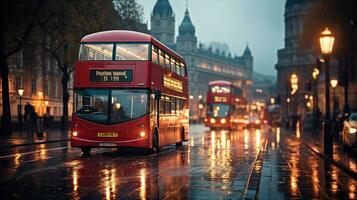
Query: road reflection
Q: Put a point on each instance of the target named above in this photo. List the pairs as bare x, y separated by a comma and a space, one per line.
210, 162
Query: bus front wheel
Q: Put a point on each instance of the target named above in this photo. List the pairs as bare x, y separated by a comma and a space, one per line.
85, 151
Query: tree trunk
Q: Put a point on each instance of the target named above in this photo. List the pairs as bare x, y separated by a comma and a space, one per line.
65, 96
6, 114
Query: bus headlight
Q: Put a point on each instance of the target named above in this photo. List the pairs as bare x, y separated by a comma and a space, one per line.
353, 130
75, 133
212, 120
223, 121
142, 134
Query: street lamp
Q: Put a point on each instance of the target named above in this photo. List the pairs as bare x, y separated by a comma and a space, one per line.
315, 75
334, 83
326, 43
21, 92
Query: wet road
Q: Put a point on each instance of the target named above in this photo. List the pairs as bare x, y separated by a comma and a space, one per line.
211, 165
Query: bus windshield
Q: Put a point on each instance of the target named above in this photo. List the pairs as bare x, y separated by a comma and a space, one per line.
124, 105
123, 51
218, 110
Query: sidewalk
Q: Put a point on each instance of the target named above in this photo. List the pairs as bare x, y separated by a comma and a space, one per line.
314, 140
22, 138
292, 171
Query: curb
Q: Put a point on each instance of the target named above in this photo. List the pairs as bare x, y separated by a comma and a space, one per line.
33, 143
343, 167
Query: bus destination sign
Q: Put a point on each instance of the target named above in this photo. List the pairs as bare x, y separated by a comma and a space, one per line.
117, 75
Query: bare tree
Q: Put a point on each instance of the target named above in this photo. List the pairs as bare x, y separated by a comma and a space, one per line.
17, 21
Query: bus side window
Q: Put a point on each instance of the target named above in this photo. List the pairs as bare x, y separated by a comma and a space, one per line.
183, 70
167, 105
173, 106
155, 55
162, 105
172, 64
167, 61
177, 67
162, 58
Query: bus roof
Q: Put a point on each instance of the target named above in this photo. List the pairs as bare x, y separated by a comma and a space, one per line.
128, 36
220, 83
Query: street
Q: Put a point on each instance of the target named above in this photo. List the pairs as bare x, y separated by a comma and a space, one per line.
211, 165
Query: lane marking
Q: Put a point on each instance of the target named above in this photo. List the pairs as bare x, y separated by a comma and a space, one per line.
31, 152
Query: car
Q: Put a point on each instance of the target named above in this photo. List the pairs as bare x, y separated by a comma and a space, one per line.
253, 122
349, 132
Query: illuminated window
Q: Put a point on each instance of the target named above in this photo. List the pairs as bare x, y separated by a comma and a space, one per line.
96, 52
167, 61
155, 55
132, 52
162, 58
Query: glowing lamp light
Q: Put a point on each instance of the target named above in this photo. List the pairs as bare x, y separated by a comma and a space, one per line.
46, 103
200, 96
272, 100
117, 106
315, 73
223, 121
326, 41
212, 120
20, 91
288, 100
334, 83
142, 134
75, 133
353, 130
40, 94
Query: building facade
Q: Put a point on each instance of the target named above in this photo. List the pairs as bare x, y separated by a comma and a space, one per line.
35, 71
293, 59
204, 64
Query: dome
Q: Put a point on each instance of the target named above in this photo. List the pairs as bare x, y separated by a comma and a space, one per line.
186, 26
163, 8
293, 2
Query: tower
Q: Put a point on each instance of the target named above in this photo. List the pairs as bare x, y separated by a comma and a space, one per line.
187, 40
248, 58
163, 22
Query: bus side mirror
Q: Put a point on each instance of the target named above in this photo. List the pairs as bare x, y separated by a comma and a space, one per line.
157, 94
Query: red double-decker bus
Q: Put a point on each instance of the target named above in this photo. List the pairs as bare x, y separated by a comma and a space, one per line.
130, 90
226, 105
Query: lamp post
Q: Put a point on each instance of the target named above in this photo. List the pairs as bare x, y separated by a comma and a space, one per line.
21, 92
326, 43
334, 83
315, 74
294, 88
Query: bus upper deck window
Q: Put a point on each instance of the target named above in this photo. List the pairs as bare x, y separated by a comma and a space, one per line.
167, 61
132, 51
162, 58
155, 55
96, 52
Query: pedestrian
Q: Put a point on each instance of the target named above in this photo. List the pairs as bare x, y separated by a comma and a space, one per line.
28, 116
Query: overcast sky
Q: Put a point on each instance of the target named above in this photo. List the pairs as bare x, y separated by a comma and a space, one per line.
235, 22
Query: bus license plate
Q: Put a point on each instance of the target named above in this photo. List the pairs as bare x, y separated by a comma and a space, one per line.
107, 134
107, 144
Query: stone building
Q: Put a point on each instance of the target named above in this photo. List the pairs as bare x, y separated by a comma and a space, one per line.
205, 64
293, 59
36, 72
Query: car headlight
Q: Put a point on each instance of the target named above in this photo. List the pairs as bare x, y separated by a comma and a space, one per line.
353, 130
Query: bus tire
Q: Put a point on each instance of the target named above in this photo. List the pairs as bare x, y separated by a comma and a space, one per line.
155, 142
182, 136
86, 151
